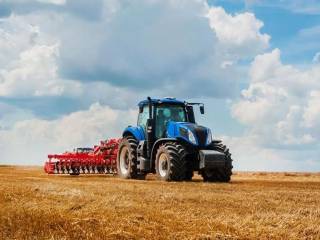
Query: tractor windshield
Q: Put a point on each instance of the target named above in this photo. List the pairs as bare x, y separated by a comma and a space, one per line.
166, 113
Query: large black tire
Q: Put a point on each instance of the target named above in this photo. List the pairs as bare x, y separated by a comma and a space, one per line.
127, 159
222, 174
170, 162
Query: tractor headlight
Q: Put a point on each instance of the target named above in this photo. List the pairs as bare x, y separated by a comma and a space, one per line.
209, 137
191, 137
187, 134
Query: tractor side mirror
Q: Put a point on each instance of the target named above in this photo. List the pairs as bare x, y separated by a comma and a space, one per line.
202, 109
140, 109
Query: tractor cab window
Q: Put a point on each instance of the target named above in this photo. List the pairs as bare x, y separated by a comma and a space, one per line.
166, 113
143, 117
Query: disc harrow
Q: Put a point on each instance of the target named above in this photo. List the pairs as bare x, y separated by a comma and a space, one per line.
97, 160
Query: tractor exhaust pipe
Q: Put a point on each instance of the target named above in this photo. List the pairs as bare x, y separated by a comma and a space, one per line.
149, 130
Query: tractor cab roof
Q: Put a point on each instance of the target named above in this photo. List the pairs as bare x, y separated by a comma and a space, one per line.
168, 100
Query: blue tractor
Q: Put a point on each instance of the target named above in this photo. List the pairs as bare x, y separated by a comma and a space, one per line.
167, 141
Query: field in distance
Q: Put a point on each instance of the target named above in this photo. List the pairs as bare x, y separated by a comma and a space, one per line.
34, 205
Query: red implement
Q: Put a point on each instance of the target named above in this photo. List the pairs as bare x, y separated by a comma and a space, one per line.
99, 159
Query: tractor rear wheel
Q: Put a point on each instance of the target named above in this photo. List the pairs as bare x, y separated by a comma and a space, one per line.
171, 162
127, 159
219, 174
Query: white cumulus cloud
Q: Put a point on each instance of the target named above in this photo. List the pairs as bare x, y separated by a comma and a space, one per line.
28, 63
311, 113
280, 107
239, 34
29, 141
35, 74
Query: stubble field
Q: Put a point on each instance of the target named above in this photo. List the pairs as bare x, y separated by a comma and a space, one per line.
34, 205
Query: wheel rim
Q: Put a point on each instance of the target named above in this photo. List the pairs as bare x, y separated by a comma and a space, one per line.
124, 160
163, 165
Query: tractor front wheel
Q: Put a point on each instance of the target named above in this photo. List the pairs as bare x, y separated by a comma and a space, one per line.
171, 162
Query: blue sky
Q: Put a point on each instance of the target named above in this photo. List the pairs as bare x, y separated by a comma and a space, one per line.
72, 71
284, 23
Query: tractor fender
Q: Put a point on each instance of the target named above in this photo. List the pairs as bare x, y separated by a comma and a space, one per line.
136, 132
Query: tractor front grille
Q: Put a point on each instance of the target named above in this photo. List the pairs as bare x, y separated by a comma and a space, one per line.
201, 134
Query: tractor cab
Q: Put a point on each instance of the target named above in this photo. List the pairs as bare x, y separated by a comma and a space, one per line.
162, 112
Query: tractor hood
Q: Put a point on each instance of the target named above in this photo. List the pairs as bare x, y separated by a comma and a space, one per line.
190, 132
